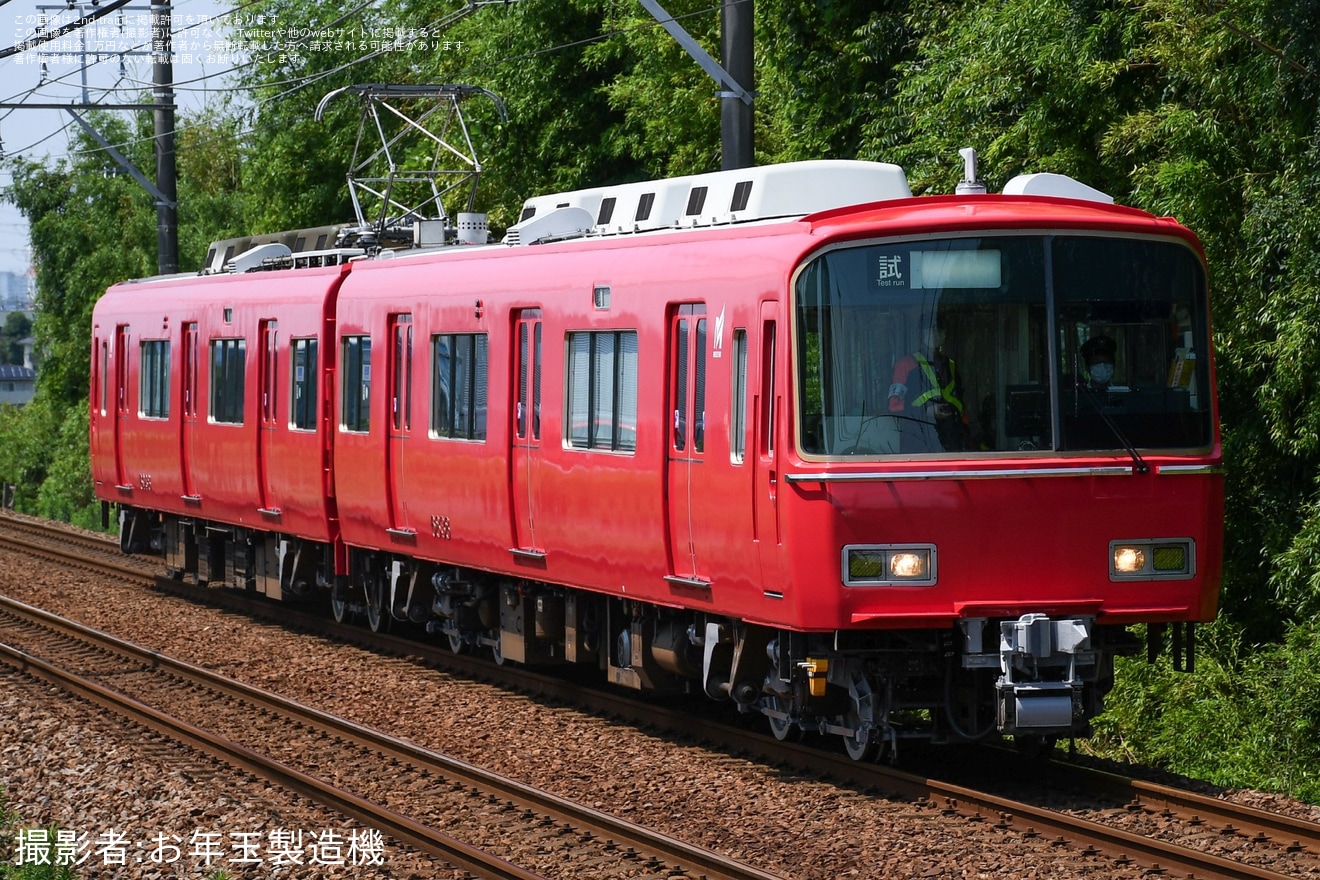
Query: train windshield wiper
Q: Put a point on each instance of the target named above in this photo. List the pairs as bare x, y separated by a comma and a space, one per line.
1138, 463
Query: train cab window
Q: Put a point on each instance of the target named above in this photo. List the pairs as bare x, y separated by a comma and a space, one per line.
459, 386
602, 390
302, 404
154, 379
355, 406
972, 345
228, 380
1127, 345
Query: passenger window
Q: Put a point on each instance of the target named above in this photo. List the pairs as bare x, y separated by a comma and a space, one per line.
356, 384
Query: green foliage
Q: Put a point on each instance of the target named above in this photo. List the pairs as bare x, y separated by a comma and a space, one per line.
670, 116
1249, 716
24, 454
10, 825
544, 60
293, 167
823, 71
66, 492
93, 226
17, 327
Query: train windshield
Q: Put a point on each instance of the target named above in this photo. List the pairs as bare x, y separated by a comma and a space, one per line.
1003, 344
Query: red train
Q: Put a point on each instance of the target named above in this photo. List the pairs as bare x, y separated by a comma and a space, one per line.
870, 465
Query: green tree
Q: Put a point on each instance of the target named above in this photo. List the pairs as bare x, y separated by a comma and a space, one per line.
17, 327
1205, 111
293, 166
93, 226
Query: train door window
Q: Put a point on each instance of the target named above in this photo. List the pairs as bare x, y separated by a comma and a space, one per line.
689, 370
121, 369
228, 380
602, 390
154, 379
768, 388
528, 415
738, 418
680, 386
356, 408
105, 374
302, 408
401, 399
536, 381
190, 369
458, 386
699, 390
269, 370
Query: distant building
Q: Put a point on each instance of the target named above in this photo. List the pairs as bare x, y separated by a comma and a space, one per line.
17, 384
16, 292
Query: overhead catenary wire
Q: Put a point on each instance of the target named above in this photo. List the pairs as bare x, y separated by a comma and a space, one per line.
69, 28
102, 57
101, 91
297, 84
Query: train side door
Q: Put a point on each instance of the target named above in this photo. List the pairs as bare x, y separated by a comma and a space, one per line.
766, 484
100, 402
120, 358
686, 419
188, 422
400, 422
525, 433
267, 370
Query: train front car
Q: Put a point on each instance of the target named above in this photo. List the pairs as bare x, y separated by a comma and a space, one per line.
1006, 454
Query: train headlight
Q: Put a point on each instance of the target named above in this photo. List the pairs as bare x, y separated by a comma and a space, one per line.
1152, 559
889, 565
1128, 560
908, 565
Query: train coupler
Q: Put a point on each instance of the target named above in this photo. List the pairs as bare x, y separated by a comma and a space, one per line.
1039, 689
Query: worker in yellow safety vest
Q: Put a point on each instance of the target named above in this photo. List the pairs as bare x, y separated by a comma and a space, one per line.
926, 388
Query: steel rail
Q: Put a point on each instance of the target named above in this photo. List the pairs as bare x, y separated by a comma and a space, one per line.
1125, 846
712, 864
400, 827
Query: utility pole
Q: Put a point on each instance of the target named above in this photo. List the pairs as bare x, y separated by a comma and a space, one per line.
162, 78
736, 30
164, 190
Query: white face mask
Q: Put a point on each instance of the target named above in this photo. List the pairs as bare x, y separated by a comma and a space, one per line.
1102, 372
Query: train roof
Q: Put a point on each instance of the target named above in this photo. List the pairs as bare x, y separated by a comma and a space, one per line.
758, 194
826, 194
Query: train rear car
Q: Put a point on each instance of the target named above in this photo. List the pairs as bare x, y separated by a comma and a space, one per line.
209, 427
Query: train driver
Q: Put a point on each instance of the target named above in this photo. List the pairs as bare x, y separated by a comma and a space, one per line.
1098, 356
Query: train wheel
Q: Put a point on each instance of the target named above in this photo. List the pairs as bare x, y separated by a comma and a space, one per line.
783, 729
374, 590
339, 601
456, 642
859, 745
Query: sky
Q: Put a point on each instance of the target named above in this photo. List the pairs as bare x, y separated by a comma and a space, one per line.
202, 53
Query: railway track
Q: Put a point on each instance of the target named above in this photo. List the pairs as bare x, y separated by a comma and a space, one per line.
410, 792
1180, 833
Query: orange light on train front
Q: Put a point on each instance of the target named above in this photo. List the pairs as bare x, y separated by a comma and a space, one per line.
1129, 560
